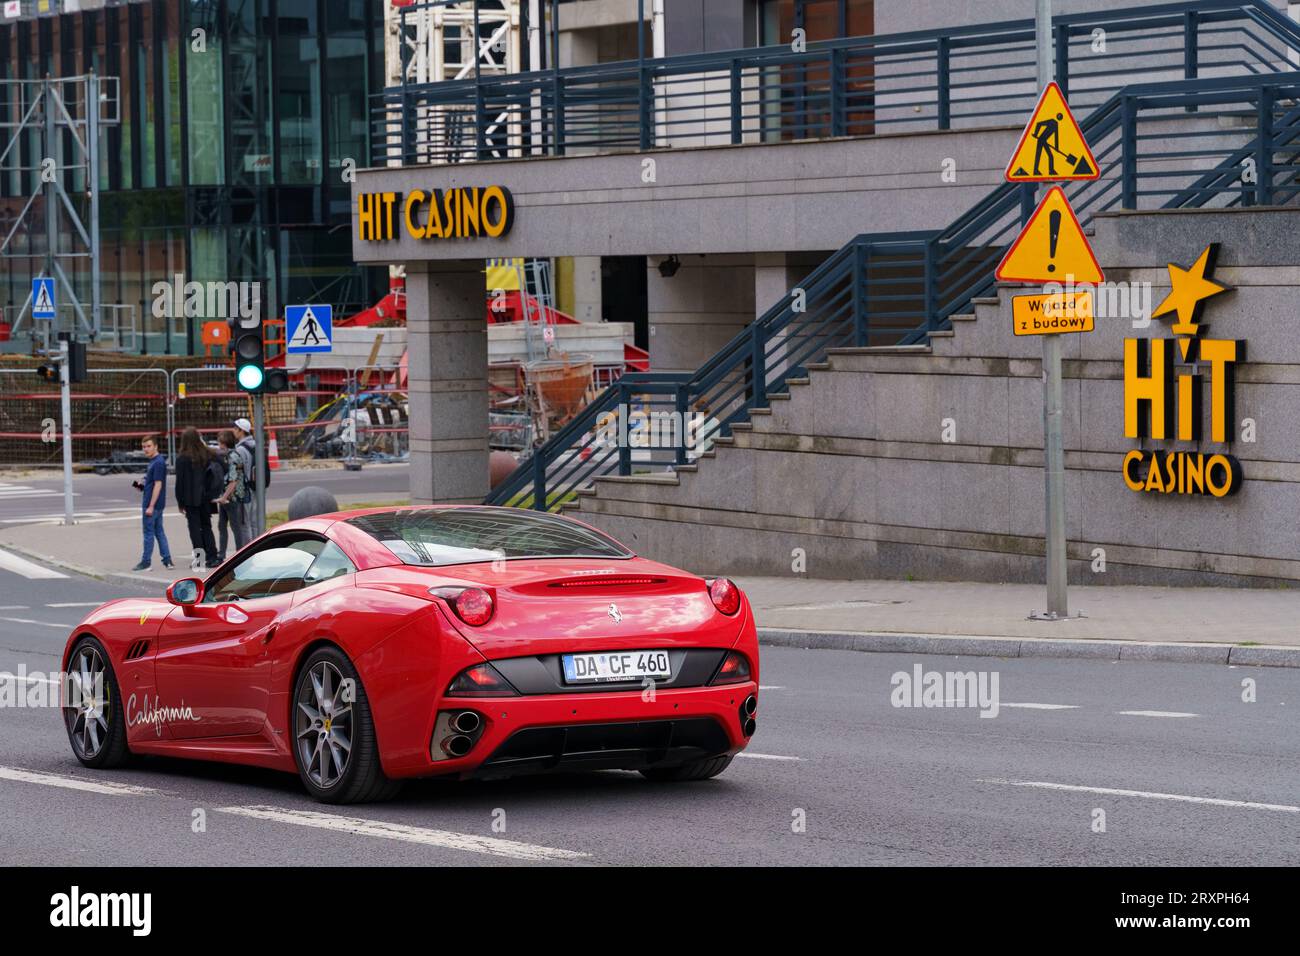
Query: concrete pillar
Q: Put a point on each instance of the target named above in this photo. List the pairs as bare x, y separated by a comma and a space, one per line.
446, 330
697, 311
773, 278
586, 288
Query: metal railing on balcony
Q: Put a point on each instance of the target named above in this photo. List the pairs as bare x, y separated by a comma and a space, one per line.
1195, 143
926, 80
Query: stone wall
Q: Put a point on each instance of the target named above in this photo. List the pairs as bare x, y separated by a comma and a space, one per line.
853, 467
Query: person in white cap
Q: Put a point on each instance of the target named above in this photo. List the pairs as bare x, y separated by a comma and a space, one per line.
246, 448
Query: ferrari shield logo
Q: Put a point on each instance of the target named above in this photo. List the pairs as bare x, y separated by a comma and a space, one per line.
615, 614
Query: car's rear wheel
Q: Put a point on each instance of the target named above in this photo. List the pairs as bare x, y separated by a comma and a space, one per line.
695, 770
334, 735
93, 711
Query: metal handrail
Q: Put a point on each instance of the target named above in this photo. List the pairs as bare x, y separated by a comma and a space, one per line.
923, 278
930, 79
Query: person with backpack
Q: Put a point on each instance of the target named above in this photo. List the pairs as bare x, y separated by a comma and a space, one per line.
199, 483
248, 445
236, 500
246, 448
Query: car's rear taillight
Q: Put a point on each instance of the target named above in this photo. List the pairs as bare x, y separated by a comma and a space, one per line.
734, 669
474, 606
725, 595
481, 680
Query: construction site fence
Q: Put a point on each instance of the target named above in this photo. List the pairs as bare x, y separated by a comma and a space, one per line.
327, 412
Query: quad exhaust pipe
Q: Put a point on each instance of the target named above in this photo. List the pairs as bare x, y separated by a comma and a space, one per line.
466, 722
747, 711
457, 745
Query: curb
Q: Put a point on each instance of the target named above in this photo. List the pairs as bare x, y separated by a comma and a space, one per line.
970, 645
120, 578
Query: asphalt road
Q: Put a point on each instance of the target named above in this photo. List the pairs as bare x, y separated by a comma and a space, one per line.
25, 500
874, 783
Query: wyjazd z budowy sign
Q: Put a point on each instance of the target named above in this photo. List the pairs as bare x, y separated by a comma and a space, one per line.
467, 212
1162, 399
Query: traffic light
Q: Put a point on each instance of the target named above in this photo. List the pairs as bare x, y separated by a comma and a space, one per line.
77, 371
277, 380
48, 372
250, 368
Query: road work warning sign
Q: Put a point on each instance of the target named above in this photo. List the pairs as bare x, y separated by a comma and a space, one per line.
1052, 146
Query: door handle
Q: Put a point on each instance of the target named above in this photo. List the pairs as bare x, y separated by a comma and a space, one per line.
270, 633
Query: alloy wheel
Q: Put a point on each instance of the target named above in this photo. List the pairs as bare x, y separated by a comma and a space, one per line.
324, 725
89, 707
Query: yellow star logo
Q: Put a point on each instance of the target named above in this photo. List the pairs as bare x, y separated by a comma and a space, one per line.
1190, 288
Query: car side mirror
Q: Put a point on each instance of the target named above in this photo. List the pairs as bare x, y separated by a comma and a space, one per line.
186, 592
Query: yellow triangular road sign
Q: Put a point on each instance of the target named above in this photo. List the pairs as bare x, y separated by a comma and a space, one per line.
1052, 146
1051, 247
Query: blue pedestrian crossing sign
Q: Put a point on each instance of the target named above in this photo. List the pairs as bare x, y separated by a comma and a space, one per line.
43, 304
310, 328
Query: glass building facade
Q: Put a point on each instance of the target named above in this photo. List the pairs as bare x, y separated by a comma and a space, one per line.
239, 119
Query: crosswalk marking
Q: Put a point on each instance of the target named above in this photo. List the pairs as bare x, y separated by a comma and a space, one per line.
28, 569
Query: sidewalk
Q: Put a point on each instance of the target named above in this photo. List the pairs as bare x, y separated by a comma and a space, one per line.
109, 547
1217, 625
1223, 625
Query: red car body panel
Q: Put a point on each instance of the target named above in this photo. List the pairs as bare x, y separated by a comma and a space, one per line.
213, 688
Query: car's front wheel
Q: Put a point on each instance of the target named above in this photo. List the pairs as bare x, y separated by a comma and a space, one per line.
694, 770
92, 711
334, 735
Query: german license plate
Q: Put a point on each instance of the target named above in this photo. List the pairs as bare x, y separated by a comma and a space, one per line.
615, 666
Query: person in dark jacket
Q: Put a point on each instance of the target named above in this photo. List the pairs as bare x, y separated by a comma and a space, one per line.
197, 487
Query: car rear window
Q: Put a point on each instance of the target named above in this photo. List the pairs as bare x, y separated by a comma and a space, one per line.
435, 538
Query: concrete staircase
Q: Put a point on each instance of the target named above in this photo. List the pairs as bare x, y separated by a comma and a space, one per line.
926, 461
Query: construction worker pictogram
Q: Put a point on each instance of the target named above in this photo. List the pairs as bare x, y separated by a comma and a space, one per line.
1052, 146
1051, 247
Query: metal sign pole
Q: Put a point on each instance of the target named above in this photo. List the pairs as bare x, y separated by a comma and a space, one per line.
259, 458
1053, 415
65, 384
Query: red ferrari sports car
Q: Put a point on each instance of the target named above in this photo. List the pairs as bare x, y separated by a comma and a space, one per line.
364, 647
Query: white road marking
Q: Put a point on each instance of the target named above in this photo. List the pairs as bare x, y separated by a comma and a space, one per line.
1043, 706
360, 826
26, 620
76, 604
1179, 797
770, 687
746, 753
15, 607
73, 783
28, 679
28, 569
51, 518
1153, 713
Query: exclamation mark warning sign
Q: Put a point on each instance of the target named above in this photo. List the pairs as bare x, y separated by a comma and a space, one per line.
1051, 247
1053, 237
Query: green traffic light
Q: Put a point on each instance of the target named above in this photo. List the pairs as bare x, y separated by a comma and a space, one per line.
250, 377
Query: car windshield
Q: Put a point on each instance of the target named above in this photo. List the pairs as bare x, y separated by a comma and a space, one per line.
434, 538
